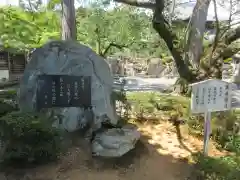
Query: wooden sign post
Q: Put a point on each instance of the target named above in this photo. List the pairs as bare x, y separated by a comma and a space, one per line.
210, 96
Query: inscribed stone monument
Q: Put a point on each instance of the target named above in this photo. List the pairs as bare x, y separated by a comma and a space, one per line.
73, 59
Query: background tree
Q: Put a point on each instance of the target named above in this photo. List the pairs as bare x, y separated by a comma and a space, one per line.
185, 69
194, 40
131, 33
69, 30
21, 28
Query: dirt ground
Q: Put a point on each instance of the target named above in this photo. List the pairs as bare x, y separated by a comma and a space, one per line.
158, 156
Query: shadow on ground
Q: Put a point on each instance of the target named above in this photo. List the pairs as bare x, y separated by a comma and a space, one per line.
146, 161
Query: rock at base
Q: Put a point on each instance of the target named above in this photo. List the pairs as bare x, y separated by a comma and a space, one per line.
115, 142
70, 58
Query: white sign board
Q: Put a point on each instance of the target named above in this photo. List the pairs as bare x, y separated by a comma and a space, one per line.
210, 96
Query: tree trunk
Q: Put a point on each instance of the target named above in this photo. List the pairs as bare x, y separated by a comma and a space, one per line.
69, 30
164, 31
182, 68
196, 32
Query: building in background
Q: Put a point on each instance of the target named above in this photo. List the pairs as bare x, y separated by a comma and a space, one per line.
12, 64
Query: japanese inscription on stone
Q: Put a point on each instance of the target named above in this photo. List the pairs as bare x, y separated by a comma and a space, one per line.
63, 91
211, 96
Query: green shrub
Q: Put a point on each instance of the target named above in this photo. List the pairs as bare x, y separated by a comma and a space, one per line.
229, 141
28, 138
223, 129
5, 108
233, 144
222, 168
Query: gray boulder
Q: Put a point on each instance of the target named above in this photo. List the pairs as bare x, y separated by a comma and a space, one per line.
115, 142
155, 67
70, 58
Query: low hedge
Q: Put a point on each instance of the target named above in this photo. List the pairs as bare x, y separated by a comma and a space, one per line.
28, 138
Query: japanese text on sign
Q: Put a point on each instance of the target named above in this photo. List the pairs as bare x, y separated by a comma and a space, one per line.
63, 91
210, 96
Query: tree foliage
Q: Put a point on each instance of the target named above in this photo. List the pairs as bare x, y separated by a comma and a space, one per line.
24, 29
106, 31
129, 31
28, 138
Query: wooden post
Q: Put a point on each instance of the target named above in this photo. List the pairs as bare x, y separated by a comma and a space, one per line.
207, 132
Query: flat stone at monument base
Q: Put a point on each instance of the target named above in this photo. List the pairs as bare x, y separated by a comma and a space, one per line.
115, 142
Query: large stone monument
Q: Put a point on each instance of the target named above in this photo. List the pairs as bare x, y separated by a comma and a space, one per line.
63, 59
70, 58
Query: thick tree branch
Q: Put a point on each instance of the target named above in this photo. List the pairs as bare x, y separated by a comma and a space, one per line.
104, 53
231, 35
169, 39
230, 51
227, 46
225, 52
147, 5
